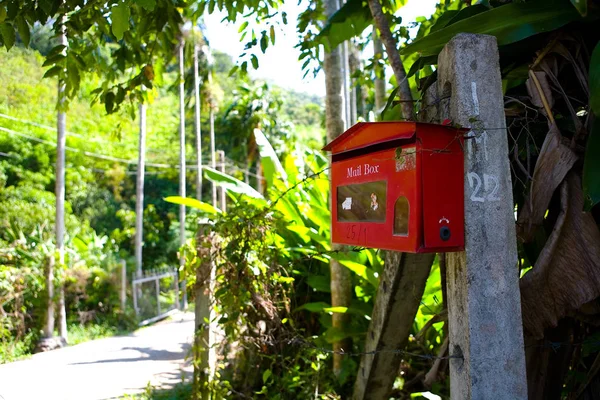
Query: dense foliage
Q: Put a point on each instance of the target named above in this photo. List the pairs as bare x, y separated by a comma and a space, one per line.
100, 190
271, 247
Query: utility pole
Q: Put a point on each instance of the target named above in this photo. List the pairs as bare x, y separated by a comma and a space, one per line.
182, 166
61, 139
197, 126
139, 189
484, 302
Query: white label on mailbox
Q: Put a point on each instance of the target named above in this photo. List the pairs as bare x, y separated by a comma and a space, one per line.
347, 204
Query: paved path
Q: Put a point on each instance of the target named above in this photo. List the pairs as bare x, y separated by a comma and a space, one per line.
105, 368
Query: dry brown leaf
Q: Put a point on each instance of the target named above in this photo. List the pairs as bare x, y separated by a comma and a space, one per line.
554, 161
567, 272
534, 94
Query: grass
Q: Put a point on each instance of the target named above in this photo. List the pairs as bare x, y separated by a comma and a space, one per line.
11, 350
15, 350
79, 333
181, 391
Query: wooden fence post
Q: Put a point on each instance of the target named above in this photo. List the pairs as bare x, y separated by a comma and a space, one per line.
484, 306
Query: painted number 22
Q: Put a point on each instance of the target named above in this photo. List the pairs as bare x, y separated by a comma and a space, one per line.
490, 187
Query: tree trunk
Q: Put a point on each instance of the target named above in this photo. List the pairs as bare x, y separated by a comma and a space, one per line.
61, 138
391, 47
379, 74
62, 314
213, 157
353, 65
139, 192
198, 128
49, 323
341, 288
182, 166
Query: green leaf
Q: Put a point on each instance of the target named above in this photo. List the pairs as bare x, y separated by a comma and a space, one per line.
594, 78
272, 33
389, 102
193, 203
266, 375
509, 23
56, 50
314, 307
23, 29
243, 27
109, 102
54, 71
581, 6
120, 20
362, 271
147, 4
55, 59
309, 233
233, 70
8, 35
272, 168
334, 334
264, 42
338, 310
347, 22
254, 61
230, 183
591, 167
2, 13
319, 282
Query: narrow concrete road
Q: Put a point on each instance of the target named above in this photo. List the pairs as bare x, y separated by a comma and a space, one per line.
105, 368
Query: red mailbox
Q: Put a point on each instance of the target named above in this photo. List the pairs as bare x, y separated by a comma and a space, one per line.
398, 186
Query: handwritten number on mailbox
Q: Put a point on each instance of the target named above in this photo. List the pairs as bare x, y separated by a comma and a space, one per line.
490, 187
351, 234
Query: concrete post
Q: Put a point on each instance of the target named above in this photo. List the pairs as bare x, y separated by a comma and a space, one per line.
123, 285
484, 306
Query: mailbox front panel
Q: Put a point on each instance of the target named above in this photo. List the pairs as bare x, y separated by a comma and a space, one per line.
376, 200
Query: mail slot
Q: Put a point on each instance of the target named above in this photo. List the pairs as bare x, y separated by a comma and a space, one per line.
398, 186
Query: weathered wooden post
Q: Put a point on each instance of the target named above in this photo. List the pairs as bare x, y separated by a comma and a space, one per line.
484, 303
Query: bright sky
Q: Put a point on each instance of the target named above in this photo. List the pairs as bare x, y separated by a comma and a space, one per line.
280, 63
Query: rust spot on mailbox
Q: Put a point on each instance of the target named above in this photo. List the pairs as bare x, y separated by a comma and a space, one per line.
398, 186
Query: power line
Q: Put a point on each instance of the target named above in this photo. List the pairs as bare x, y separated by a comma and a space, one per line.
84, 152
75, 135
102, 156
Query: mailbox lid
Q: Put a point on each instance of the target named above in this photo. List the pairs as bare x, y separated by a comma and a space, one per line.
367, 134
